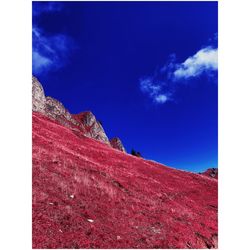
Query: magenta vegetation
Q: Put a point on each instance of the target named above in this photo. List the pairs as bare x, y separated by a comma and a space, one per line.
87, 194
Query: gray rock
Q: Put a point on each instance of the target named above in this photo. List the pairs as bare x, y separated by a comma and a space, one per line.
54, 108
117, 144
38, 96
51, 107
93, 127
87, 118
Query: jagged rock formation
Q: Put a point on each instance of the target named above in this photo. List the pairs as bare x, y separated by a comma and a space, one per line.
55, 110
50, 106
38, 96
84, 123
93, 127
117, 144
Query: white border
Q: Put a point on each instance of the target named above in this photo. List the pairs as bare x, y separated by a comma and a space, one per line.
15, 103
234, 124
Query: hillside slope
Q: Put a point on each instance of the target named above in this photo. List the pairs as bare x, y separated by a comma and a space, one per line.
88, 195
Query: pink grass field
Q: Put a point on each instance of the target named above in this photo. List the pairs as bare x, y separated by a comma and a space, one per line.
89, 195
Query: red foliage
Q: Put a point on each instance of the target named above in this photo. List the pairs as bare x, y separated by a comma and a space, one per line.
88, 195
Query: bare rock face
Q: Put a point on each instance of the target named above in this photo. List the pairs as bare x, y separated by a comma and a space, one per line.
38, 96
87, 118
117, 144
52, 107
55, 110
93, 127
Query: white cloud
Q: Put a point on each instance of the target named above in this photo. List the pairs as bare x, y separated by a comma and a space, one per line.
148, 86
154, 90
162, 86
205, 60
161, 98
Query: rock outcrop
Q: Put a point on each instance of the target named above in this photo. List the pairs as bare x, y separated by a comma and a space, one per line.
93, 127
55, 110
38, 96
50, 106
117, 144
84, 123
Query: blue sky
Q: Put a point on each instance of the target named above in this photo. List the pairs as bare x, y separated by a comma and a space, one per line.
147, 70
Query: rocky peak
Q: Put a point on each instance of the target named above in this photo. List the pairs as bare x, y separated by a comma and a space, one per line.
93, 127
38, 96
54, 108
86, 118
117, 144
84, 123
51, 107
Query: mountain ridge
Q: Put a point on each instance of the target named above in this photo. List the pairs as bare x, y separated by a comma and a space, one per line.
85, 122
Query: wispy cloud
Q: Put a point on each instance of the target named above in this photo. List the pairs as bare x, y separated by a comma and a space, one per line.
162, 85
205, 60
153, 89
49, 52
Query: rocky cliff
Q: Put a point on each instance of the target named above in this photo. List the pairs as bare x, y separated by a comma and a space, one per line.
117, 144
52, 107
38, 97
84, 123
93, 127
